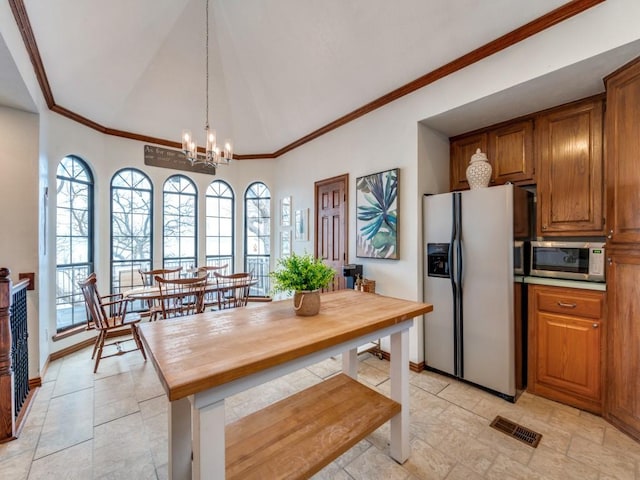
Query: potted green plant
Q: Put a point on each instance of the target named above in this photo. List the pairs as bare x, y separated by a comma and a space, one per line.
305, 276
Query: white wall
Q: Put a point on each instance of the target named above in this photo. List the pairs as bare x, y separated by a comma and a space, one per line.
19, 231
387, 138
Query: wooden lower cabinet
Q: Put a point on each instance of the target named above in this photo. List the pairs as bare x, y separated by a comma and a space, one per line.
622, 405
565, 345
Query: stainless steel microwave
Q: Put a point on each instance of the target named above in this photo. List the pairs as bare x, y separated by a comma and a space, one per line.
571, 260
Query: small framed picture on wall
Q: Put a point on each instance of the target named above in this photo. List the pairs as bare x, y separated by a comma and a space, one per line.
285, 243
301, 224
285, 212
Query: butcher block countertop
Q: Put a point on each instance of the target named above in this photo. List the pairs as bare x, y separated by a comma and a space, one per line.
192, 354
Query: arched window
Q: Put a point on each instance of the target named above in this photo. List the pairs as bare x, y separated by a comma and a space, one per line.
220, 224
74, 239
257, 236
179, 208
131, 228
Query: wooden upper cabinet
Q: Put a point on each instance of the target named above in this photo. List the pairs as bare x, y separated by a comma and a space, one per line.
511, 153
623, 154
570, 170
461, 151
509, 149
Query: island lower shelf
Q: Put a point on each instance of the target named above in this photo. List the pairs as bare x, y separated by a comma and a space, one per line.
296, 437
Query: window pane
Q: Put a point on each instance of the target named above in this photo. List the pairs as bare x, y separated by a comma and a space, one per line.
219, 214
74, 239
257, 232
179, 221
131, 229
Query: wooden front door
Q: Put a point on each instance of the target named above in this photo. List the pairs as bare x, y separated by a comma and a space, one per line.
331, 217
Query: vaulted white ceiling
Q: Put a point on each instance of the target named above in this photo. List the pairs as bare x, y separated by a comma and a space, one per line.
279, 69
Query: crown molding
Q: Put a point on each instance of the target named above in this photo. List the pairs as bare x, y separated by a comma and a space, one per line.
544, 22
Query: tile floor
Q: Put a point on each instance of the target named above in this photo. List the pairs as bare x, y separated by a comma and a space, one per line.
113, 425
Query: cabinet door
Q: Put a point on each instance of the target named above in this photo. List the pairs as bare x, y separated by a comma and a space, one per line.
622, 406
568, 354
570, 183
461, 151
565, 345
511, 153
623, 154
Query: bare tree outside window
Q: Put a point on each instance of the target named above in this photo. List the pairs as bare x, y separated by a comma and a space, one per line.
179, 222
131, 228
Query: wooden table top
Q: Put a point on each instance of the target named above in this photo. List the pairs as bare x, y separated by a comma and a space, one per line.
192, 354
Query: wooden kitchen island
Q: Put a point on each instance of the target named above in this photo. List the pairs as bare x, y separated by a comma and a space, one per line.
203, 359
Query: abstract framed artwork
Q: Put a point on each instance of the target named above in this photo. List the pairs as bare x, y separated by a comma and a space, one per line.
377, 215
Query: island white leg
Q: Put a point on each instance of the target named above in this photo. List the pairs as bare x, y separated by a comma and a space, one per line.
350, 363
180, 439
400, 447
208, 432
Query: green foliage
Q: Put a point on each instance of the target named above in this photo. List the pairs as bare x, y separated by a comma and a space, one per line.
301, 272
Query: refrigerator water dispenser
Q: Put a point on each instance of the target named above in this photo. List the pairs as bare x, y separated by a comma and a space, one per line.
438, 260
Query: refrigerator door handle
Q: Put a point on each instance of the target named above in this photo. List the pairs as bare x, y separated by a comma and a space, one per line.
452, 276
455, 274
459, 277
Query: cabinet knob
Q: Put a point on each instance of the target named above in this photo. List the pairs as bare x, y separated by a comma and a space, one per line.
609, 260
610, 233
595, 325
544, 227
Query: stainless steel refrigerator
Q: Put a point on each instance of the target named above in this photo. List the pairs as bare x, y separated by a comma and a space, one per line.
468, 241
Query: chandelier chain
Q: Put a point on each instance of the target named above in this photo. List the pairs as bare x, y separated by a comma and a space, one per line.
213, 154
206, 50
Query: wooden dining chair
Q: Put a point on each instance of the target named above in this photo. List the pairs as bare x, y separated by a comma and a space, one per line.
181, 296
154, 309
109, 317
233, 289
149, 275
211, 297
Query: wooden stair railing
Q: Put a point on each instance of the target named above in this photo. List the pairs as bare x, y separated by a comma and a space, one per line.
14, 355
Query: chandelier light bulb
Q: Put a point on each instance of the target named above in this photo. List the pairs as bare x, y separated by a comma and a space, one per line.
186, 139
211, 139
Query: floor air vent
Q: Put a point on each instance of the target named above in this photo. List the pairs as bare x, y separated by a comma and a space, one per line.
516, 431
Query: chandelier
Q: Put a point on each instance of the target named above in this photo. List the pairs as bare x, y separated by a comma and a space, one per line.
213, 154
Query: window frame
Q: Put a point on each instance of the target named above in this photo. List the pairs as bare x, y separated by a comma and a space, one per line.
218, 260
185, 262
263, 286
135, 264
88, 266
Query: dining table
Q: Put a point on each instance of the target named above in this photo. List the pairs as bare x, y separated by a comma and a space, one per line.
152, 292
205, 358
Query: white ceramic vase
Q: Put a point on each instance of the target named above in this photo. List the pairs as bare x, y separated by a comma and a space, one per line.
478, 171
